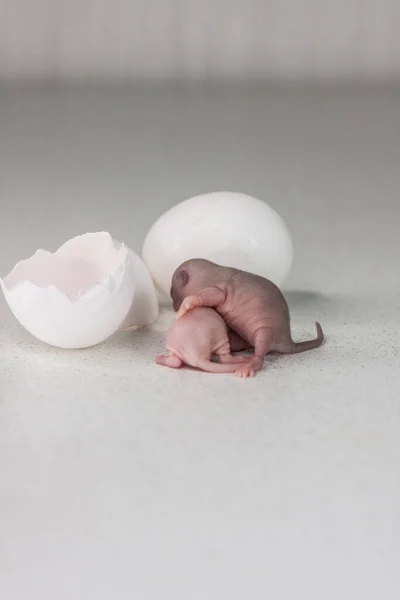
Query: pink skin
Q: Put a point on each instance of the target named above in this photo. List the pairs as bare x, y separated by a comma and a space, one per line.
197, 337
253, 308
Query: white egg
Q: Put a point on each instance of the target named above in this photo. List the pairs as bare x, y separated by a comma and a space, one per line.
228, 228
83, 293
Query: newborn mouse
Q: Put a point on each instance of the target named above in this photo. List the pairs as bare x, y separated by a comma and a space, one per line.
195, 338
252, 307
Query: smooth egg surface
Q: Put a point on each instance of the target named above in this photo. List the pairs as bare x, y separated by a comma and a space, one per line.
229, 228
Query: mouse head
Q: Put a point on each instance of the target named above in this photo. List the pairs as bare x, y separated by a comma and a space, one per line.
189, 278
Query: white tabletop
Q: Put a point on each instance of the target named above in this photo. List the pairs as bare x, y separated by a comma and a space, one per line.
123, 479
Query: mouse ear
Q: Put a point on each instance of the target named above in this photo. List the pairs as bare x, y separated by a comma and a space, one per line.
183, 277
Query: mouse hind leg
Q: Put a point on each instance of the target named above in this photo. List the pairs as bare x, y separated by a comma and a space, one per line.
263, 341
169, 360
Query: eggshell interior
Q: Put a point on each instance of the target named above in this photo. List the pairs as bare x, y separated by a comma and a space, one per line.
229, 228
73, 269
81, 294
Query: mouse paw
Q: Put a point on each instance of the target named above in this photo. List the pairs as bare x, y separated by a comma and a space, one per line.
246, 370
188, 304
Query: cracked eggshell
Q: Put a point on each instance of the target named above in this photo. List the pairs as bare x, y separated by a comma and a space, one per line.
83, 293
228, 228
144, 308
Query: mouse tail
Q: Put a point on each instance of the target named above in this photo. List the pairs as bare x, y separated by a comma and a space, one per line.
296, 347
214, 367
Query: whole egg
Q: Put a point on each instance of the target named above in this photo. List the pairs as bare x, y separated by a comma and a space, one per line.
229, 228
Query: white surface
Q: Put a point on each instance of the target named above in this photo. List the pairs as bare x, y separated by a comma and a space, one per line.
122, 479
199, 39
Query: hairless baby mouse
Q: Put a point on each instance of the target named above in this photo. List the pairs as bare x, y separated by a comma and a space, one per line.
195, 338
252, 307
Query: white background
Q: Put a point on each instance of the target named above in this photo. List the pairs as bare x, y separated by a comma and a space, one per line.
199, 39
122, 479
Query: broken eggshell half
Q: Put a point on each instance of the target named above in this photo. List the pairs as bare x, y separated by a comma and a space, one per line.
80, 295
